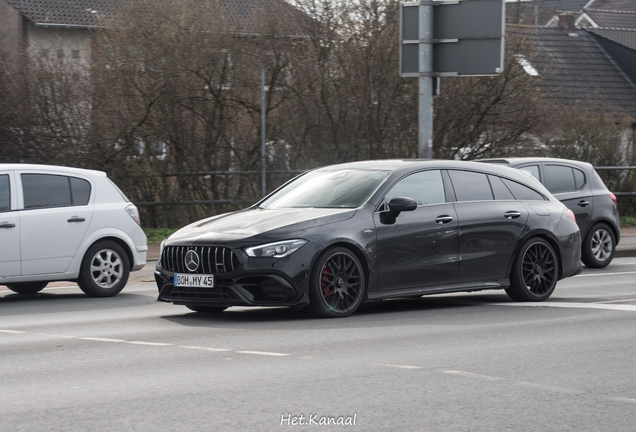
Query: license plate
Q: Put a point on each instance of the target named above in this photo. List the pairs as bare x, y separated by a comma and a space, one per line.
194, 280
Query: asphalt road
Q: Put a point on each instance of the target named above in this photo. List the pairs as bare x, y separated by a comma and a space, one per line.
463, 362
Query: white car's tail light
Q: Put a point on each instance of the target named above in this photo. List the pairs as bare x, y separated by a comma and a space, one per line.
134, 213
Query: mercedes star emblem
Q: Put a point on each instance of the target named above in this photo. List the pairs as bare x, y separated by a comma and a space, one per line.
192, 260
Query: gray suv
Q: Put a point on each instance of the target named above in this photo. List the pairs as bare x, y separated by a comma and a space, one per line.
580, 188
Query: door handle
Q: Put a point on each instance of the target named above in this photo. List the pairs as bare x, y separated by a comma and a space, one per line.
444, 219
76, 219
584, 203
7, 225
512, 215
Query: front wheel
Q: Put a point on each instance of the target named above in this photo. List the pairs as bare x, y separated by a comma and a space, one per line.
104, 270
599, 246
27, 287
337, 284
534, 273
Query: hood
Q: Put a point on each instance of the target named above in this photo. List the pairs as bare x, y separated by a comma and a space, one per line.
255, 222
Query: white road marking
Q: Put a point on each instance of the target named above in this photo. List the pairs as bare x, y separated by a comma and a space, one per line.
604, 274
616, 301
621, 399
102, 339
57, 336
399, 366
262, 353
12, 331
551, 388
631, 308
205, 348
147, 343
471, 375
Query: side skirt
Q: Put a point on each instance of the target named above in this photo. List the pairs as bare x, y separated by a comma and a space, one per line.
460, 287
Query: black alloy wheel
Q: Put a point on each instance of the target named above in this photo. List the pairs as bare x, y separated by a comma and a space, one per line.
27, 287
535, 272
599, 246
337, 284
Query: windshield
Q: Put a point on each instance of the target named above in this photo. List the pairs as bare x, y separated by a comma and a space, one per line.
327, 188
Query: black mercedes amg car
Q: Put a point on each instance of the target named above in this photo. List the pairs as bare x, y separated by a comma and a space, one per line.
334, 237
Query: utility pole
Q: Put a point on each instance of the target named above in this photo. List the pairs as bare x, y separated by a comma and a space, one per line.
426, 81
263, 124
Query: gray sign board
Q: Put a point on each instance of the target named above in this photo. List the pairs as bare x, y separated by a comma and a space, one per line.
468, 38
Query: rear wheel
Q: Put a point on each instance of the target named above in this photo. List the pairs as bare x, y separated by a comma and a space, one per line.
205, 309
104, 270
27, 287
599, 246
534, 273
337, 284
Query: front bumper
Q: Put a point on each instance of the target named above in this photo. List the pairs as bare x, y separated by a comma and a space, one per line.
256, 282
244, 290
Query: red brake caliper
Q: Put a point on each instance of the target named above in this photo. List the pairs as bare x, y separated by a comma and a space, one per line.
324, 280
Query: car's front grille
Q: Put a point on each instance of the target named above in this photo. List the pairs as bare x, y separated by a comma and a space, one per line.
212, 260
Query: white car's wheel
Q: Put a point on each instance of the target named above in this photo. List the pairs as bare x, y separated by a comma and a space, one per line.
104, 270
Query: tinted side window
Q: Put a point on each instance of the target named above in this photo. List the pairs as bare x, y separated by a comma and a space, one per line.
5, 193
471, 186
579, 178
81, 191
500, 190
426, 187
45, 190
561, 178
522, 192
534, 170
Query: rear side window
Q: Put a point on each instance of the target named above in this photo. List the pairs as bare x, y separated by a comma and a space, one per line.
522, 192
532, 169
500, 190
5, 193
425, 187
80, 190
47, 190
564, 179
470, 186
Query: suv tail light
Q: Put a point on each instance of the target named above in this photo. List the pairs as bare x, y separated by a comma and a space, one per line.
134, 213
569, 213
613, 198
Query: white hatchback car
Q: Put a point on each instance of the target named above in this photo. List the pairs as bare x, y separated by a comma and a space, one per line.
70, 224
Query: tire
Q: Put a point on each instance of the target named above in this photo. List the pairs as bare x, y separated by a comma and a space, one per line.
104, 270
27, 287
599, 246
337, 285
206, 309
535, 272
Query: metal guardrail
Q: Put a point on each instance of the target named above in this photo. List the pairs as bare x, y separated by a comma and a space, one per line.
233, 175
615, 168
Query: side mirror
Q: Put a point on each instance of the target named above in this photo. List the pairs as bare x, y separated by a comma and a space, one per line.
397, 205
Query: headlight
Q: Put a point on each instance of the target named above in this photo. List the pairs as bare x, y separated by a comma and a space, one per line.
276, 250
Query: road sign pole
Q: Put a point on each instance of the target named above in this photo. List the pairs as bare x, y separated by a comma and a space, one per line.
425, 109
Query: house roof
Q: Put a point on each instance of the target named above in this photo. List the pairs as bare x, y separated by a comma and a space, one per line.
625, 37
575, 69
614, 5
613, 18
68, 12
89, 13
